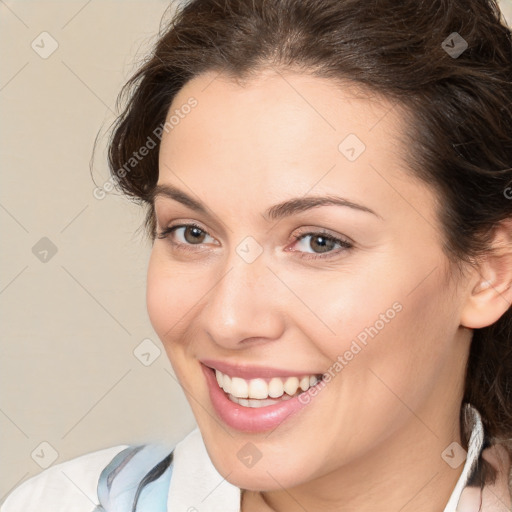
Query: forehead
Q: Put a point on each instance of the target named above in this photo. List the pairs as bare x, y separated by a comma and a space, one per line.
284, 134
284, 110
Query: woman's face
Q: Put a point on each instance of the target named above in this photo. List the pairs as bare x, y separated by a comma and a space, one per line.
356, 289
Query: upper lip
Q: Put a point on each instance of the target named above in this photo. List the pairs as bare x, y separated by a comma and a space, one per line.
252, 372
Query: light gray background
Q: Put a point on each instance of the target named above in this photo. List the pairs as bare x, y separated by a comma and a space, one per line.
70, 325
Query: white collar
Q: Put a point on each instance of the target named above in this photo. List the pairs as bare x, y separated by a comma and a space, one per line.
195, 484
473, 421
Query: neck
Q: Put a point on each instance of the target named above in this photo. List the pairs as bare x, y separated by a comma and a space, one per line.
404, 473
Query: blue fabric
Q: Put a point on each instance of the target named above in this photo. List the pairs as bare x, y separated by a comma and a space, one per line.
137, 479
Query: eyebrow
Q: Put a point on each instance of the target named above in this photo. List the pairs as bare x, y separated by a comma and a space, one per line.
278, 211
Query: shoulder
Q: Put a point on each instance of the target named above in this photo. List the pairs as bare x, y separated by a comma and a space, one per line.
70, 485
153, 476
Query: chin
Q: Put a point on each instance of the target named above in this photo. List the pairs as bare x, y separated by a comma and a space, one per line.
267, 474
260, 480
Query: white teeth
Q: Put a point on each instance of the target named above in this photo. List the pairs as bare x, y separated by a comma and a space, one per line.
255, 392
219, 378
226, 383
304, 383
255, 403
239, 387
291, 385
275, 388
258, 388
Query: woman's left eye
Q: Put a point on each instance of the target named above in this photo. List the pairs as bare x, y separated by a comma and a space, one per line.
315, 245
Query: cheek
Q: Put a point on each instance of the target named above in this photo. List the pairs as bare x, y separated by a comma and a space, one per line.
406, 344
171, 295
345, 306
368, 326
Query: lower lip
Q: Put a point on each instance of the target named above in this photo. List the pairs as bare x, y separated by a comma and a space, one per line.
248, 419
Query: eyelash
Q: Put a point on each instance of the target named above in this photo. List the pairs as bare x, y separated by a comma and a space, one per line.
344, 244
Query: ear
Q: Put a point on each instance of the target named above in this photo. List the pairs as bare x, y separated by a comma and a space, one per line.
491, 286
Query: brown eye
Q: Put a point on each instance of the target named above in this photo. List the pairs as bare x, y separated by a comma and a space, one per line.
322, 244
186, 235
193, 235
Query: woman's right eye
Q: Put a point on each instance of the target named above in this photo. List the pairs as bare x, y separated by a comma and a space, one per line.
186, 235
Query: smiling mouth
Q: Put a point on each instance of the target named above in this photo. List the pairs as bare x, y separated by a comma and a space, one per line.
262, 392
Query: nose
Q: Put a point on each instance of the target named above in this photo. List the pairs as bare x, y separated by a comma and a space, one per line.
243, 305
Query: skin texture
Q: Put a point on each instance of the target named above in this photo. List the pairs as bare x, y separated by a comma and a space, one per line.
372, 439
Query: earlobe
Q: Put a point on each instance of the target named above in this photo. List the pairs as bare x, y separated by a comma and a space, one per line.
491, 289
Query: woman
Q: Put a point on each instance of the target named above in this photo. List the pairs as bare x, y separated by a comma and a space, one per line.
329, 193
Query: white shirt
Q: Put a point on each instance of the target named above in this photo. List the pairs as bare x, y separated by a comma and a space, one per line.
195, 484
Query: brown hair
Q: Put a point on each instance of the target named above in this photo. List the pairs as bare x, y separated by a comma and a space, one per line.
459, 110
